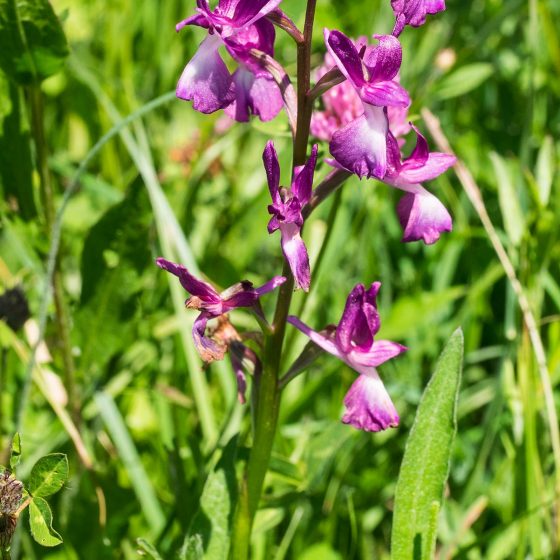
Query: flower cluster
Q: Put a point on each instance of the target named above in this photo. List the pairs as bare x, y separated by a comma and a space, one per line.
364, 119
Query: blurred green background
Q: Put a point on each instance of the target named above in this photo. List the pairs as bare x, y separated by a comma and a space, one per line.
153, 417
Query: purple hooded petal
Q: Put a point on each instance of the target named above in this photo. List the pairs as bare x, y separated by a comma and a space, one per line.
346, 56
274, 223
385, 94
350, 317
193, 285
361, 146
249, 11
368, 405
422, 216
197, 19
379, 353
254, 95
260, 36
360, 320
320, 340
413, 12
208, 349
295, 253
384, 60
272, 168
303, 182
206, 81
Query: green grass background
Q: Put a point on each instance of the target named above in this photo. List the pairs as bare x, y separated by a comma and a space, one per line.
153, 417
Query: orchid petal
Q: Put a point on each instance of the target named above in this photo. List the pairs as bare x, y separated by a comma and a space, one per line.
295, 252
303, 182
350, 316
249, 11
320, 340
361, 145
197, 19
380, 352
384, 60
254, 95
346, 56
368, 405
422, 216
208, 349
206, 81
270, 285
272, 168
385, 94
193, 285
436, 164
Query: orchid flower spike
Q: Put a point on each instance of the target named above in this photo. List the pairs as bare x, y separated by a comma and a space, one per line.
361, 146
413, 12
240, 26
421, 214
286, 211
212, 304
368, 405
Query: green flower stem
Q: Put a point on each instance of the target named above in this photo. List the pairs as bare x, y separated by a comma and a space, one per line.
305, 103
47, 196
267, 405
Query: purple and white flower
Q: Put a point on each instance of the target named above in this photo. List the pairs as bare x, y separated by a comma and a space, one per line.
240, 26
342, 105
286, 211
413, 12
421, 214
368, 405
361, 146
212, 304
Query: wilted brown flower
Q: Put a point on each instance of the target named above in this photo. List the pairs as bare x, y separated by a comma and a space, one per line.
11, 492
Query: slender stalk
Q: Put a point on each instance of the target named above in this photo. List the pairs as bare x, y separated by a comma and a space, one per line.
47, 196
267, 406
305, 103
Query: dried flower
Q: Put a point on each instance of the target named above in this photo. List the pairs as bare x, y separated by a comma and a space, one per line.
11, 492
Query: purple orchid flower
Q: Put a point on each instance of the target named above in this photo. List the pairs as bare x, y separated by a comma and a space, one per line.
240, 26
361, 145
413, 12
421, 214
213, 304
286, 211
368, 405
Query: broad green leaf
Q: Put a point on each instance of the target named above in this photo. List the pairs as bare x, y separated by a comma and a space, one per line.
40, 522
425, 465
15, 454
546, 163
512, 215
213, 521
463, 80
32, 43
48, 475
15, 151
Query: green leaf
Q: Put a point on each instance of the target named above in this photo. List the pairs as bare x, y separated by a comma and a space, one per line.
512, 215
213, 521
32, 43
463, 80
48, 475
425, 465
40, 522
15, 454
15, 150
